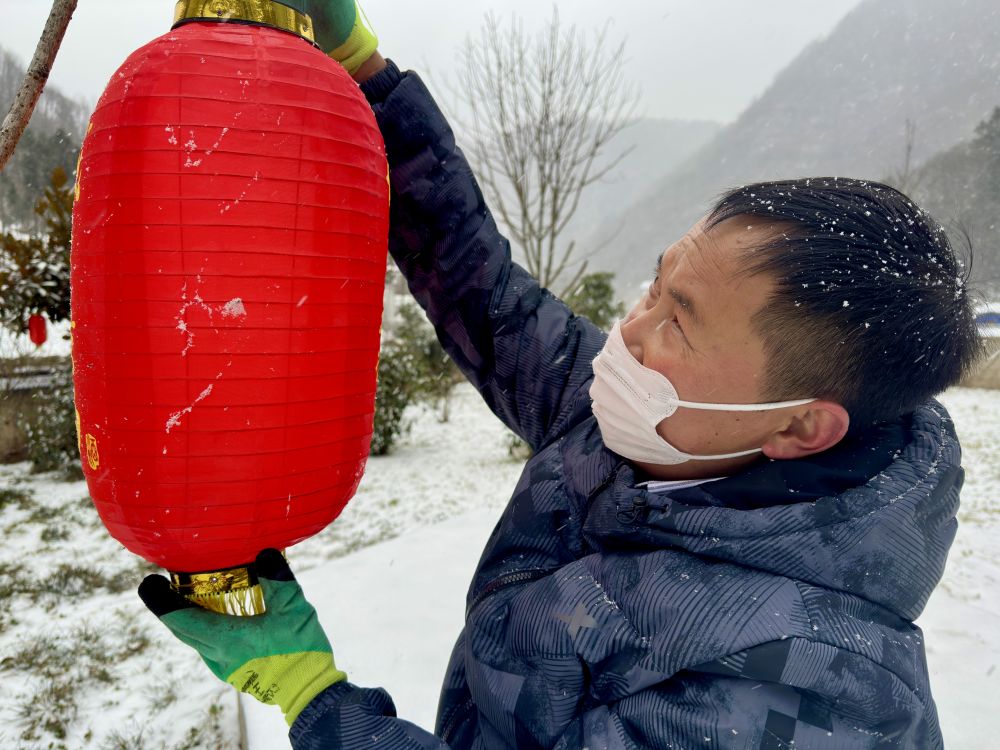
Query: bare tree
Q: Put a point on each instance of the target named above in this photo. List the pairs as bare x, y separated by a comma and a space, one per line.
907, 178
34, 80
539, 110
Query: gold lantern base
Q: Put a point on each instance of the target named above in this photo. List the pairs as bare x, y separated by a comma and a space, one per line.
234, 591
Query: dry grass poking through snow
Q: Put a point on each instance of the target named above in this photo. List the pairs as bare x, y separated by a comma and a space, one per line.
82, 663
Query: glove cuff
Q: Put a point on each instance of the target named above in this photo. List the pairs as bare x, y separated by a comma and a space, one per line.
289, 680
358, 47
300, 695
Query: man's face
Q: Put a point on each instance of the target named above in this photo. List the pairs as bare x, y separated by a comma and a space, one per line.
693, 325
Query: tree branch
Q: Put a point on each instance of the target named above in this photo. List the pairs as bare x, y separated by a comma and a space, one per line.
27, 96
544, 109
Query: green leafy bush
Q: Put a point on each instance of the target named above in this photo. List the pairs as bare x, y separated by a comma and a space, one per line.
434, 375
594, 298
396, 375
34, 270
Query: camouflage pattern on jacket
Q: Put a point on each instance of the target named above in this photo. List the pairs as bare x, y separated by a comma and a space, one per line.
604, 616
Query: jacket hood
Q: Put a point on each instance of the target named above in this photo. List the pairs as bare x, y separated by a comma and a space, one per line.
873, 518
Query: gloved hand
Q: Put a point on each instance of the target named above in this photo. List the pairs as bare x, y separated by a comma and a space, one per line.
282, 657
341, 32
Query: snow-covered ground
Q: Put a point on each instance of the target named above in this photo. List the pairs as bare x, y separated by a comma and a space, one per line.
389, 580
68, 593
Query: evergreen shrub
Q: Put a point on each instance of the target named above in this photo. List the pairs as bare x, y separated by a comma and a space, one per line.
396, 375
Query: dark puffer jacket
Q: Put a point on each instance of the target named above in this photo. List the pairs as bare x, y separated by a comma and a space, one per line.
772, 609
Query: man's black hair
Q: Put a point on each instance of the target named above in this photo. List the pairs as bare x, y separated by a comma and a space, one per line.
870, 307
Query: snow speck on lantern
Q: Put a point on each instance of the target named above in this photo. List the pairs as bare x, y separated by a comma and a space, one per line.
175, 418
234, 309
224, 207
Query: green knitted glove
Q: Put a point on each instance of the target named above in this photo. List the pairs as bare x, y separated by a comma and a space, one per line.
341, 31
282, 657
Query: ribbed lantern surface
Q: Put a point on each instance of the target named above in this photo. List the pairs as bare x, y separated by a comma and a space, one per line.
229, 249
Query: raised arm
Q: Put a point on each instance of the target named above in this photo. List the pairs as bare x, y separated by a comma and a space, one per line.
523, 349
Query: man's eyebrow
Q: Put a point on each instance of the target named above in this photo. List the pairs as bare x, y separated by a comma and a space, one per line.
685, 302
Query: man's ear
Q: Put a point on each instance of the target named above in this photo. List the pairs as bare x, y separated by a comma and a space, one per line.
814, 428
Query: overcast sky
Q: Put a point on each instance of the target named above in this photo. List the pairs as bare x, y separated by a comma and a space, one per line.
693, 59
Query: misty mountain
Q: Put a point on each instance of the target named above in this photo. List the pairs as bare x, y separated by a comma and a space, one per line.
840, 108
960, 187
644, 150
647, 148
52, 139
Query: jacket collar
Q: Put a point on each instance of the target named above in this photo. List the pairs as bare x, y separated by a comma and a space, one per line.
851, 463
873, 518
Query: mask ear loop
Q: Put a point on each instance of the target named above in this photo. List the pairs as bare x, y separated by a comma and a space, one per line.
721, 456
743, 407
737, 407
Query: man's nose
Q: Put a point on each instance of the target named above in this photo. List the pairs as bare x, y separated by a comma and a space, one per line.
632, 333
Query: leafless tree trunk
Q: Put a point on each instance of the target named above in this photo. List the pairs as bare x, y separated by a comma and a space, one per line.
539, 110
34, 80
907, 178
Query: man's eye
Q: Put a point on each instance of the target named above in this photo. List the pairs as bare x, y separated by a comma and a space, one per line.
677, 327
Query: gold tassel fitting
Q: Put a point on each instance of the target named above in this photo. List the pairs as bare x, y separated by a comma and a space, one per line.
234, 591
256, 12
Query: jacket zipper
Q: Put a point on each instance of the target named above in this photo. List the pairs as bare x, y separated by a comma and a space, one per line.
453, 720
521, 576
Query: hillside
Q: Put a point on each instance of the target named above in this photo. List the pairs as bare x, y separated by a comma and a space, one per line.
651, 147
647, 148
961, 188
52, 140
841, 107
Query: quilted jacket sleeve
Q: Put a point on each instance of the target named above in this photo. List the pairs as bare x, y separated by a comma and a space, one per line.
347, 717
521, 347
691, 709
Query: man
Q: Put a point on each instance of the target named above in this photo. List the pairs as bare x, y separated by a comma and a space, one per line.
739, 500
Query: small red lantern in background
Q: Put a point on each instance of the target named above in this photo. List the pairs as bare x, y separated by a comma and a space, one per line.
37, 329
230, 236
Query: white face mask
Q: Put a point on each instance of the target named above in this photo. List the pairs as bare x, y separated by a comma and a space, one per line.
630, 400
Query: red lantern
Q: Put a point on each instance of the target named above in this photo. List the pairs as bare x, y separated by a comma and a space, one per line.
37, 329
229, 249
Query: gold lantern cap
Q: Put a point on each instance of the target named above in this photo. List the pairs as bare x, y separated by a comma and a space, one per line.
232, 591
279, 15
